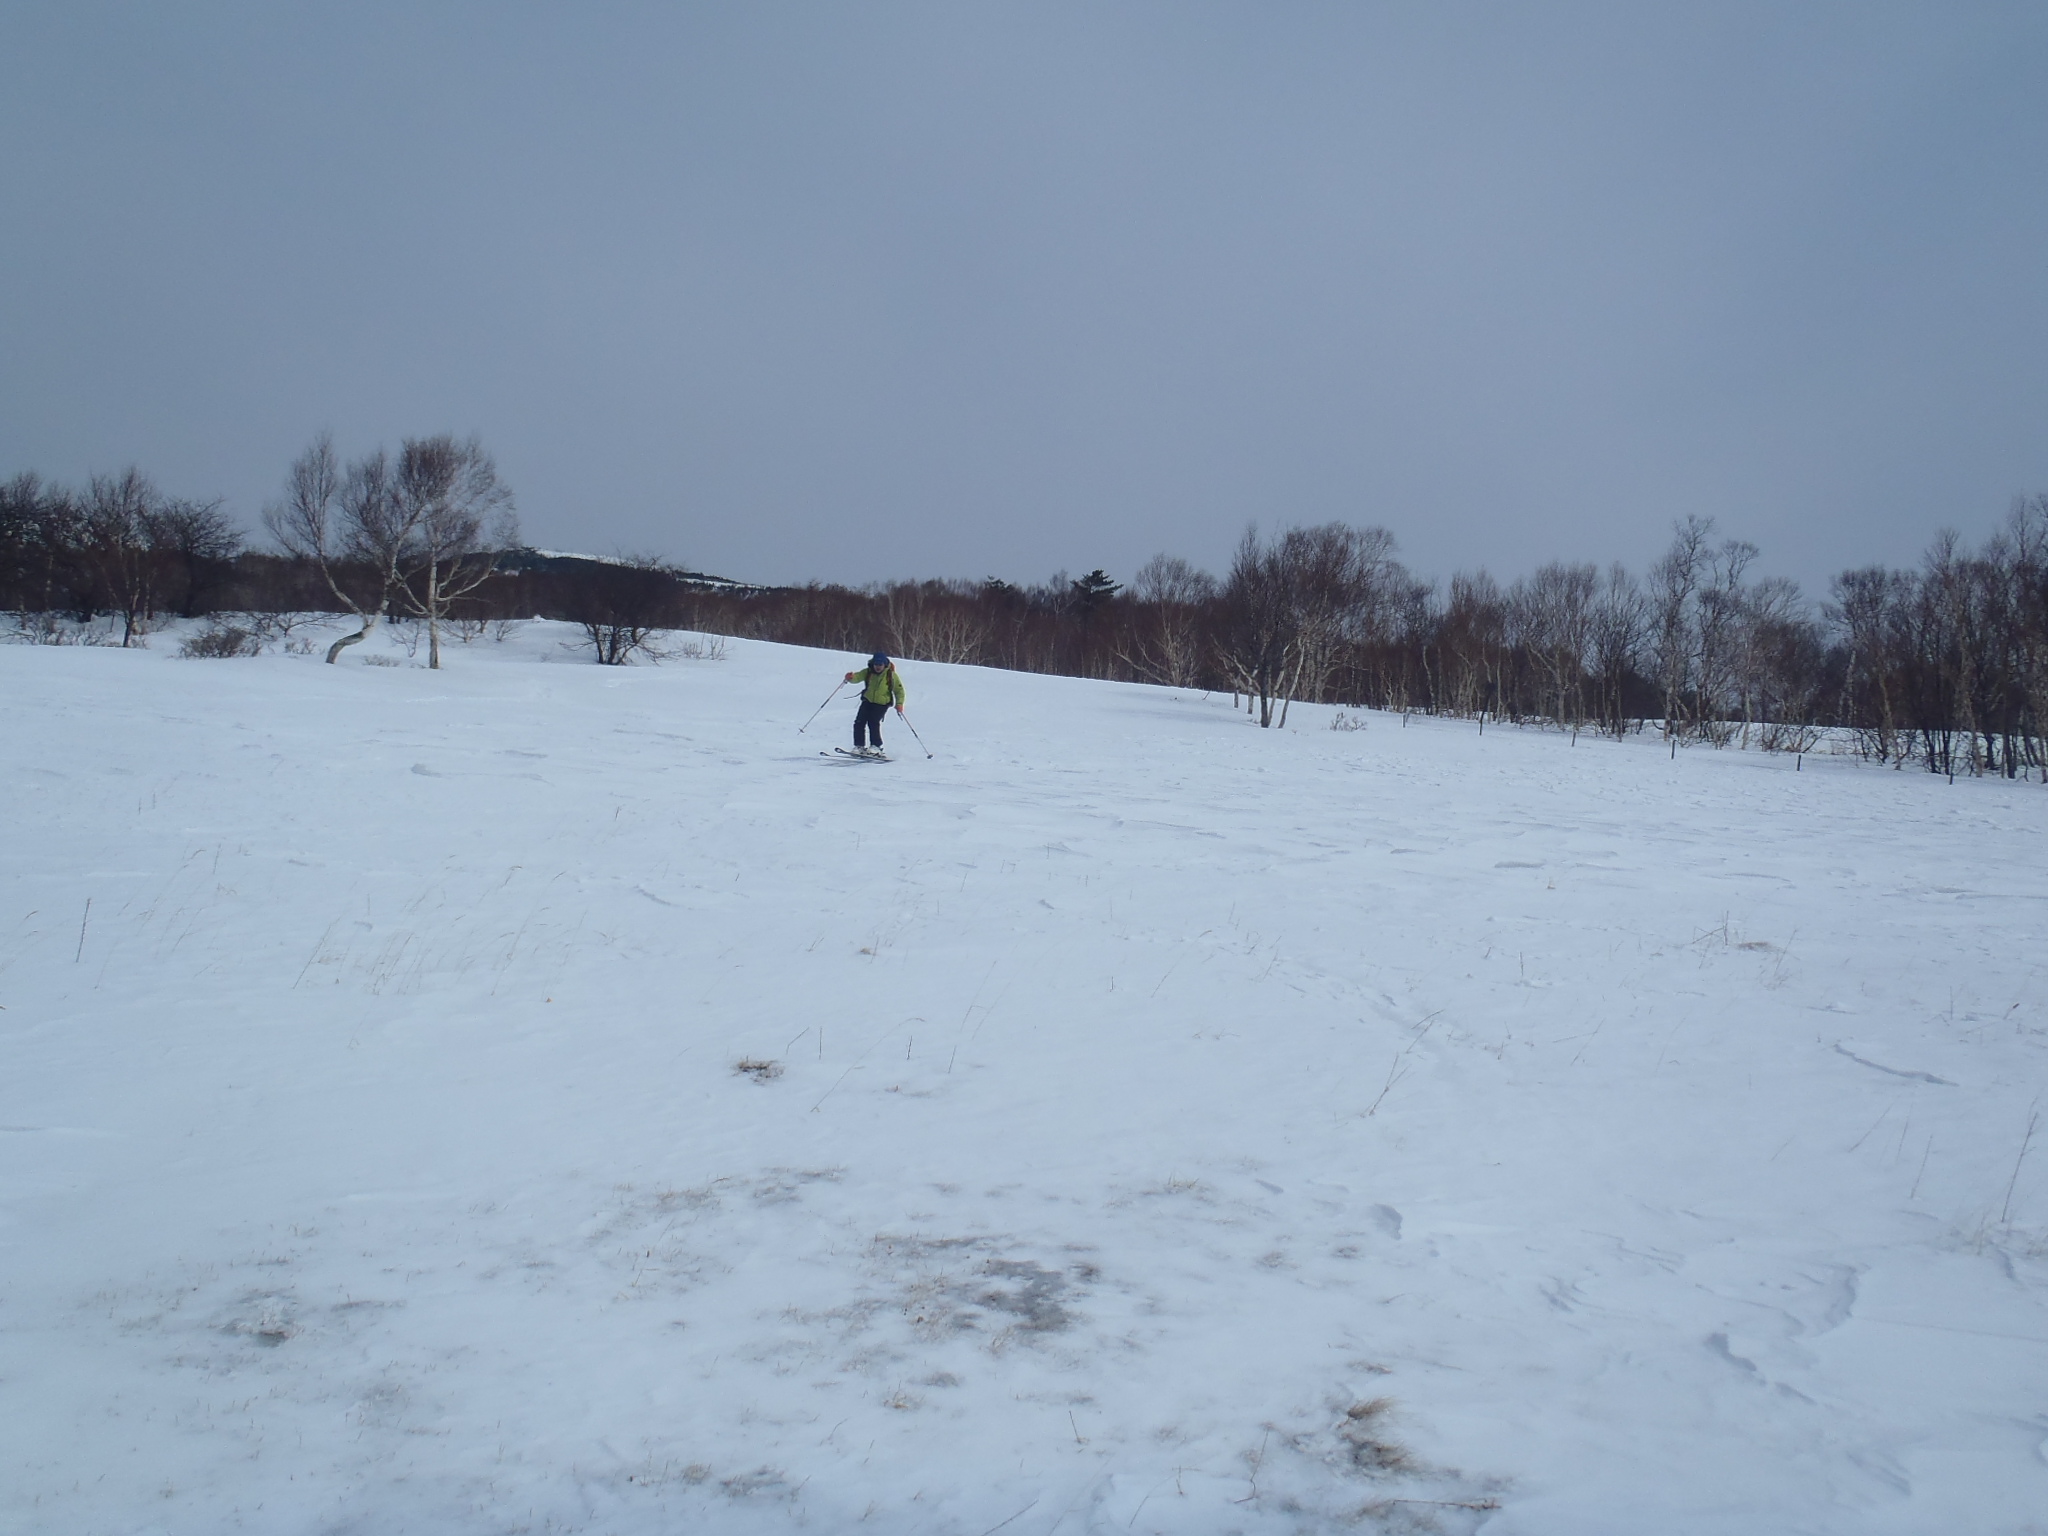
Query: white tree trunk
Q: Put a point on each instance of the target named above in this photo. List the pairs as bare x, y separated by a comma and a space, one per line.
369, 624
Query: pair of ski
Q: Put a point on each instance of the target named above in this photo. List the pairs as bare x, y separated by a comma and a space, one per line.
859, 757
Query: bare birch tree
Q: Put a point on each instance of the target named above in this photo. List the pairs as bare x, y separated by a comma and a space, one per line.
350, 525
936, 621
1552, 616
1169, 640
457, 515
1341, 585
1674, 582
1257, 641
384, 533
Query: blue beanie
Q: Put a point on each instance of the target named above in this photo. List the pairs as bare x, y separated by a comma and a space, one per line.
878, 660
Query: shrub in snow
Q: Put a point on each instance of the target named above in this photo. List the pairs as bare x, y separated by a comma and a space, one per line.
218, 639
49, 629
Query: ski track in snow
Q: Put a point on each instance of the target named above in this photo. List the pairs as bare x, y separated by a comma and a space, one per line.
1150, 1123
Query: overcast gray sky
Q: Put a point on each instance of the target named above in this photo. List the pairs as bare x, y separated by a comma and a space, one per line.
865, 291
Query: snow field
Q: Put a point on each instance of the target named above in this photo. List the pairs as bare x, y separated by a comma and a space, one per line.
1162, 1125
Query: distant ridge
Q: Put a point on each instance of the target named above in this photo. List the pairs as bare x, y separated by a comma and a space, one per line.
556, 562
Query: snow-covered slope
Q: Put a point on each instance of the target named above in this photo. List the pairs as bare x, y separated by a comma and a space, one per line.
1157, 1124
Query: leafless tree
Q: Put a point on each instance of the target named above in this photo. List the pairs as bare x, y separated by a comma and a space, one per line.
1863, 611
458, 515
1290, 609
413, 532
195, 544
1674, 584
1343, 585
1551, 617
1470, 640
622, 606
41, 537
1168, 639
1777, 666
2027, 564
1620, 632
117, 528
1698, 603
1258, 641
1719, 615
936, 621
348, 523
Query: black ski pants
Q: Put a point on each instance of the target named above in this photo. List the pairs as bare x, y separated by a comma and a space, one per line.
867, 725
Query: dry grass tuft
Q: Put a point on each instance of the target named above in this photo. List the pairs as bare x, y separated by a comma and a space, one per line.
1372, 1449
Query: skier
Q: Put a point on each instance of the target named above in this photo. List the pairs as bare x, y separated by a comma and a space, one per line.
881, 686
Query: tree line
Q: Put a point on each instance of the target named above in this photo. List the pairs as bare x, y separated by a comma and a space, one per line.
1942, 666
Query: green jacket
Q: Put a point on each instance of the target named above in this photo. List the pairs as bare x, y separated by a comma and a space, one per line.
885, 687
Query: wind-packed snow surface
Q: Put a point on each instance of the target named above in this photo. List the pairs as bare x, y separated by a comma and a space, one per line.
541, 1097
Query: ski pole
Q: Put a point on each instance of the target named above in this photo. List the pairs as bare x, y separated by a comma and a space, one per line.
820, 710
913, 731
